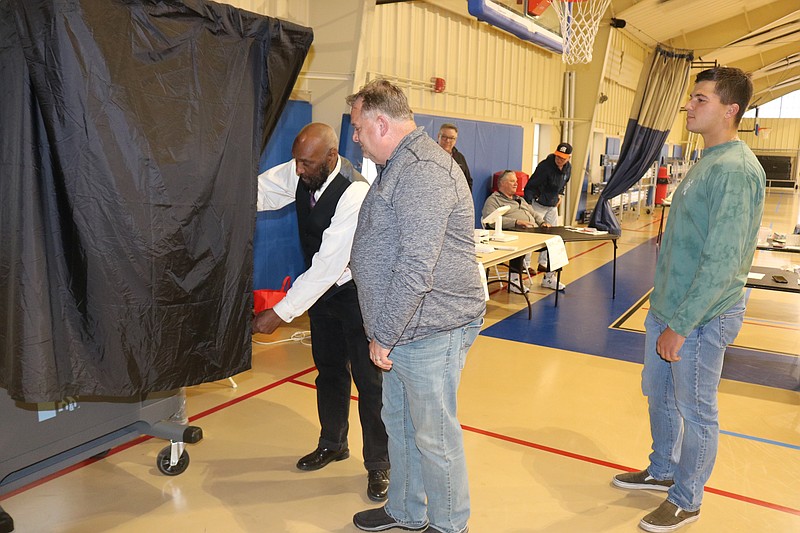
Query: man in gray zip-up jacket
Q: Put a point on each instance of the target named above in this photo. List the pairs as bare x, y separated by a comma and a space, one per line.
414, 247
413, 260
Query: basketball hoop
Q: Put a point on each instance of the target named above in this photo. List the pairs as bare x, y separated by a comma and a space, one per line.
764, 133
579, 22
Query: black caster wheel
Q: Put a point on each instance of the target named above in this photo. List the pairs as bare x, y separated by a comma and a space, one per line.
162, 462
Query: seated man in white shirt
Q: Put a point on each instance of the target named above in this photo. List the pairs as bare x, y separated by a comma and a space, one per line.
520, 215
328, 193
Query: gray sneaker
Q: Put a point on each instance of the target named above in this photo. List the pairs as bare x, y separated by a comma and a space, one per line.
641, 480
379, 520
668, 517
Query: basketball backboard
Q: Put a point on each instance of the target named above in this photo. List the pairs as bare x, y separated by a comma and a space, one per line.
519, 17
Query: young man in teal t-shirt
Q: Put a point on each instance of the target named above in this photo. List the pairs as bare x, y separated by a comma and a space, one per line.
697, 303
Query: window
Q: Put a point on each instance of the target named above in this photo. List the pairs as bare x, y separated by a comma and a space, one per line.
787, 106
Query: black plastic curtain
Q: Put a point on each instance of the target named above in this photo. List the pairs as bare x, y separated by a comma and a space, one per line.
658, 100
130, 133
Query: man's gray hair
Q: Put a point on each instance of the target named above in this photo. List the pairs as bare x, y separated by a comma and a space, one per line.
383, 97
504, 175
448, 126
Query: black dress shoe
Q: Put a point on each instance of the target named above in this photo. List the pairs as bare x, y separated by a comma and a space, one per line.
377, 485
321, 457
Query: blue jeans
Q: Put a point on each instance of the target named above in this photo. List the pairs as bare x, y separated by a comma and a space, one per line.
426, 448
682, 398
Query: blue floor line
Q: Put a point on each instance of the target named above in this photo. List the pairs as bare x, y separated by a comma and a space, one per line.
585, 311
759, 439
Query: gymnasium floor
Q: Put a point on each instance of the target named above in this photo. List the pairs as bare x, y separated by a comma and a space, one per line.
551, 410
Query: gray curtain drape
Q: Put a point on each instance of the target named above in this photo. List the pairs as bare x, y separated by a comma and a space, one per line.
658, 99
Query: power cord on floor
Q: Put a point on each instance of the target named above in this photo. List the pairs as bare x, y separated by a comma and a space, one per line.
303, 337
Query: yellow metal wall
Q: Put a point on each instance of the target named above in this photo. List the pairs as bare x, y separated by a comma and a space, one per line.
494, 76
783, 137
624, 65
490, 74
293, 10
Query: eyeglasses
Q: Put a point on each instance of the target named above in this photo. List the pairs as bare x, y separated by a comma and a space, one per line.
447, 138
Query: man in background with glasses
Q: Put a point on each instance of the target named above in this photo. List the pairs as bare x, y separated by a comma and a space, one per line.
448, 135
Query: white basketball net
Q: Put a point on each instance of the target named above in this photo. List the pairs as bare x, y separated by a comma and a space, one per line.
579, 21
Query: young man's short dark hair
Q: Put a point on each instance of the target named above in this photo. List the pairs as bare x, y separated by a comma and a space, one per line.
734, 86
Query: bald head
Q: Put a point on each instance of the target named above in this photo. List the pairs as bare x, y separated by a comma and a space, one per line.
316, 153
318, 133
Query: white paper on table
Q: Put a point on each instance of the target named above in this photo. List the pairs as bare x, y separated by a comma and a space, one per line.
557, 254
753, 275
484, 281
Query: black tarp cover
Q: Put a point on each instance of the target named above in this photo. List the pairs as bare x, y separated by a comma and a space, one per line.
130, 133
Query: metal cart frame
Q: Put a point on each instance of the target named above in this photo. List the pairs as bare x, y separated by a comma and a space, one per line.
47, 438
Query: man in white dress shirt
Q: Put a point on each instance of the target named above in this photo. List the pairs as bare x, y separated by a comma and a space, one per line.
328, 193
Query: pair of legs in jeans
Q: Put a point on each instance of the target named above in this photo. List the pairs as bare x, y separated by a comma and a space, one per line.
682, 398
426, 448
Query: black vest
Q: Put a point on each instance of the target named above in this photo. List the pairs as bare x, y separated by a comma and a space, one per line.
313, 222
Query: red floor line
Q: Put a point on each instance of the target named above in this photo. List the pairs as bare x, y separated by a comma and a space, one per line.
312, 386
547, 449
643, 226
76, 466
292, 379
592, 249
753, 501
642, 229
600, 462
250, 394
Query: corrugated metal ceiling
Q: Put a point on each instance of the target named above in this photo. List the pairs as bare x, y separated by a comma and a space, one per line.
758, 36
664, 20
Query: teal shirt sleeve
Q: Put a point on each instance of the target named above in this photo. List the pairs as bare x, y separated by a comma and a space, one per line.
731, 215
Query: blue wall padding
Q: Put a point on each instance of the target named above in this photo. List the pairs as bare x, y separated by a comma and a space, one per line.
488, 147
347, 147
276, 243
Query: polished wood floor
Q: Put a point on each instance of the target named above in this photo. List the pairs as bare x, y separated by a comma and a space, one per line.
545, 430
